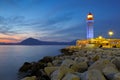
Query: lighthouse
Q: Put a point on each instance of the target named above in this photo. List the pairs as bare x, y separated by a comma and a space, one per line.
90, 22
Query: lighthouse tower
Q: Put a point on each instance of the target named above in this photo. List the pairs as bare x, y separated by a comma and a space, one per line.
90, 22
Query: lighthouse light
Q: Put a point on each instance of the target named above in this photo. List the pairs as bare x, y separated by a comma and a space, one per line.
90, 16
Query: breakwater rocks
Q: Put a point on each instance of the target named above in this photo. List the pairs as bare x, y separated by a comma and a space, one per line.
72, 64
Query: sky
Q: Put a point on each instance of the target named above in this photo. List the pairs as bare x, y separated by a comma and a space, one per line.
57, 20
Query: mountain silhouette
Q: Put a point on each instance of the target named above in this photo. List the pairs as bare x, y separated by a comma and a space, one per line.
32, 41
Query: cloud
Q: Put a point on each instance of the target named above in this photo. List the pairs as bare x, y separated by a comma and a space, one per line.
7, 25
13, 39
12, 19
20, 25
57, 20
74, 31
47, 25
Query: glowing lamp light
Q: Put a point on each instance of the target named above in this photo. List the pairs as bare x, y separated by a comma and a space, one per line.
110, 33
100, 37
90, 16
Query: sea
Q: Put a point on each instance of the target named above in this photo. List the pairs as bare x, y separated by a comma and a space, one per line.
13, 57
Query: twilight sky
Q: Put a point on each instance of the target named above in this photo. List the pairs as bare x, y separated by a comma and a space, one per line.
56, 20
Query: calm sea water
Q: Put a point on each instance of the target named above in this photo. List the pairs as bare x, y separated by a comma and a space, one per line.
13, 57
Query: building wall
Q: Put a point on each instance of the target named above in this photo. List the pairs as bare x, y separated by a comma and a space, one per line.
90, 31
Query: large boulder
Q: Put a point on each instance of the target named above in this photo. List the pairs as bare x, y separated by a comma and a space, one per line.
116, 61
49, 64
79, 67
95, 58
46, 59
60, 73
110, 71
56, 62
67, 62
36, 67
101, 64
92, 75
30, 78
66, 51
80, 59
49, 70
67, 57
117, 76
41, 75
71, 76
25, 67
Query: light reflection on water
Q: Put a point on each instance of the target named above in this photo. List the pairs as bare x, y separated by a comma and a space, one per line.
12, 57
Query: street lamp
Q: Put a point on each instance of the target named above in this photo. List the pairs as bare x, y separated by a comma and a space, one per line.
110, 33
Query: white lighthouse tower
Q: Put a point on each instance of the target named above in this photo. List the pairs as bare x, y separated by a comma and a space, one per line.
90, 22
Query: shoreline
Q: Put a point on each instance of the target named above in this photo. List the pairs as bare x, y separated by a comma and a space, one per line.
75, 64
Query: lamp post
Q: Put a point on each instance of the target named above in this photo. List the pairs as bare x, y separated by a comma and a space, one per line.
110, 33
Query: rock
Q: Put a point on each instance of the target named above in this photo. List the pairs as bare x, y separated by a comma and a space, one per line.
71, 76
76, 64
54, 75
101, 64
56, 58
73, 57
58, 74
80, 59
81, 54
36, 67
92, 75
110, 71
44, 77
117, 76
49, 64
46, 59
95, 58
117, 54
61, 58
25, 67
66, 51
39, 74
79, 67
57, 62
116, 61
66, 57
49, 70
30, 78
67, 63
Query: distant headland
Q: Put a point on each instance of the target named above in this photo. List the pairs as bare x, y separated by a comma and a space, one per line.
33, 41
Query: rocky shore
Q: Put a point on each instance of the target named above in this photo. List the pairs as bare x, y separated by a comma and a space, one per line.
75, 64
